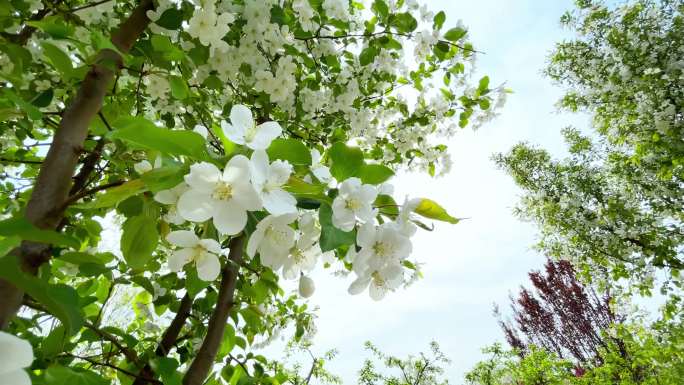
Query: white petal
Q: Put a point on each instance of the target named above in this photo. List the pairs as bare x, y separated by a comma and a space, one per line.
196, 206
284, 220
211, 245
366, 235
166, 197
200, 129
203, 176
158, 161
279, 173
377, 292
359, 285
279, 202
237, 169
180, 258
229, 218
142, 167
259, 162
245, 196
368, 193
235, 134
322, 173
183, 238
265, 133
16, 354
208, 267
254, 241
349, 186
17, 377
241, 117
315, 156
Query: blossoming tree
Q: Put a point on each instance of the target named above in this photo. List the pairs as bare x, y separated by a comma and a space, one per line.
238, 144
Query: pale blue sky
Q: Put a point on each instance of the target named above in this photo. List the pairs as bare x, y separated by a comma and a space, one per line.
476, 263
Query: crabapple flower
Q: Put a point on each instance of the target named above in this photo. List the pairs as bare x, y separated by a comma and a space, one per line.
242, 129
273, 238
170, 197
381, 245
354, 201
306, 251
224, 196
306, 286
319, 170
145, 166
378, 281
16, 354
403, 222
203, 252
268, 180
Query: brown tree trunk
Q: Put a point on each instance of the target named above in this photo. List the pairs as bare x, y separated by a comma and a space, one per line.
45, 207
201, 365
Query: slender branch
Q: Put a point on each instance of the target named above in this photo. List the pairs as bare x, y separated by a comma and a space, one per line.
73, 199
124, 371
204, 360
51, 190
7, 160
169, 338
95, 4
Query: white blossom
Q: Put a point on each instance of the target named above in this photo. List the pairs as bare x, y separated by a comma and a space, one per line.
354, 201
268, 180
242, 129
272, 239
224, 196
202, 252
16, 354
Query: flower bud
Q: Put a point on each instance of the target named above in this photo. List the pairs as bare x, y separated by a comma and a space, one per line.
306, 286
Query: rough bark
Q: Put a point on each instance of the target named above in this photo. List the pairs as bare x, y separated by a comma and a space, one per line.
201, 365
45, 207
168, 339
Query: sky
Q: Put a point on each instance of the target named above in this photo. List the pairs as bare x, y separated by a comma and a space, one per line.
472, 265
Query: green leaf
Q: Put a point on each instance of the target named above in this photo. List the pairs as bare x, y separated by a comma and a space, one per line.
438, 20
387, 205
43, 99
53, 26
302, 189
228, 342
142, 133
31, 111
483, 85
53, 344
346, 161
114, 195
179, 89
331, 236
166, 368
59, 375
381, 9
291, 150
455, 34
368, 55
8, 244
431, 209
172, 19
404, 22
193, 284
60, 300
22, 228
162, 178
58, 58
375, 173
79, 258
138, 240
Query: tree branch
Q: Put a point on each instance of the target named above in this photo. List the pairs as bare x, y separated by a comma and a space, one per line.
45, 207
168, 339
201, 365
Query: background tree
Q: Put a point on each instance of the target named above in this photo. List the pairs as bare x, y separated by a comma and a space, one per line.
561, 315
614, 206
233, 144
422, 369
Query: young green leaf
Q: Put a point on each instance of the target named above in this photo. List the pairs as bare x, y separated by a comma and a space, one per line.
139, 240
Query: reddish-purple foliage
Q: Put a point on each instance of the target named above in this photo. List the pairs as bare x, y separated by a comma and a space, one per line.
560, 315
